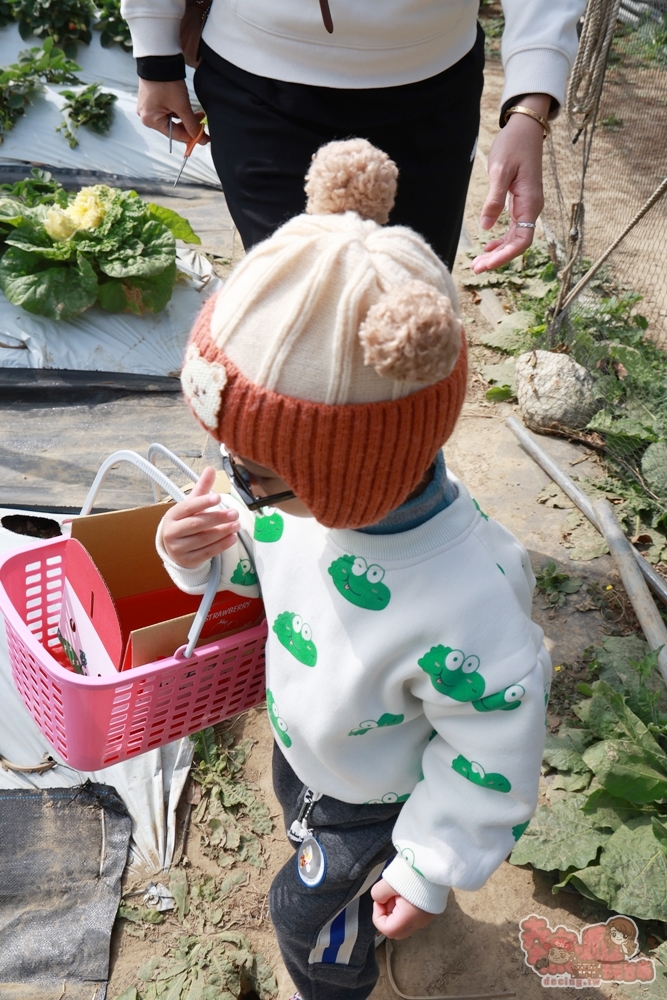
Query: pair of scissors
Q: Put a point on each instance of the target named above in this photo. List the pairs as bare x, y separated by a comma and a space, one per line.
188, 149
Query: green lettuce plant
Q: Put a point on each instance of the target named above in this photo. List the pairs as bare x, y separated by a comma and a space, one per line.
102, 245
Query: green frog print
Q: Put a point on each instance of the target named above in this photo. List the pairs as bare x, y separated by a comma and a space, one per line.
296, 636
360, 583
453, 673
456, 675
384, 720
388, 799
408, 856
519, 829
278, 724
244, 575
501, 701
269, 525
474, 772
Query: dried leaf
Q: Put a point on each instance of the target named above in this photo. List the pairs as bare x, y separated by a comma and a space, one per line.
178, 886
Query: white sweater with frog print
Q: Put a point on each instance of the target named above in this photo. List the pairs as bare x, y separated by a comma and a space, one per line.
406, 667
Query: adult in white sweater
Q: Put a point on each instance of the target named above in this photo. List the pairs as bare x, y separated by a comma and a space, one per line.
406, 682
278, 79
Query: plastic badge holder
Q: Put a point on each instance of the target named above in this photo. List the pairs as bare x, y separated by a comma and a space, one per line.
93, 722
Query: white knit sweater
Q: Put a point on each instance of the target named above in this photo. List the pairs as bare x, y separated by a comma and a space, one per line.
407, 667
375, 43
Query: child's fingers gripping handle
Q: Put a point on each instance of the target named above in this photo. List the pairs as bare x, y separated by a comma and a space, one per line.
204, 484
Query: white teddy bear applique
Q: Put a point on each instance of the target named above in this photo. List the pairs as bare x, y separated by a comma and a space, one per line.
203, 382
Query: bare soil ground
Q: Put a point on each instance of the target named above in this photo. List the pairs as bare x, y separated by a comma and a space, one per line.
473, 947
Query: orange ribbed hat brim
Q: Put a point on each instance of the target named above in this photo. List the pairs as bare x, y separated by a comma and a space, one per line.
350, 464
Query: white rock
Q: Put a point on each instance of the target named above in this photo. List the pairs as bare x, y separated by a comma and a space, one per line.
554, 389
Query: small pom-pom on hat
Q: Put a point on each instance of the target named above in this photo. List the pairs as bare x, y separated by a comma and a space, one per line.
412, 334
351, 176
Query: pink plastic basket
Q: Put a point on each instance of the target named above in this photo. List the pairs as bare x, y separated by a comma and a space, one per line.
93, 722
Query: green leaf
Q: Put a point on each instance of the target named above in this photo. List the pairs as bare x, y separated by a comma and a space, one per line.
35, 239
654, 467
593, 883
660, 833
59, 291
562, 753
129, 994
572, 782
609, 715
627, 770
608, 812
112, 297
263, 978
636, 863
150, 294
154, 256
559, 837
499, 394
179, 227
511, 335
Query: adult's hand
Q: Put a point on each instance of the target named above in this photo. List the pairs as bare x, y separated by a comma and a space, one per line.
515, 168
159, 101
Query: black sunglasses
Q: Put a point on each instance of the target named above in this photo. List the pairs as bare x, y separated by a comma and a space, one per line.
240, 478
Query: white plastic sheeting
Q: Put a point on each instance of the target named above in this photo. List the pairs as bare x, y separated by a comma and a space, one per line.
111, 342
129, 149
150, 785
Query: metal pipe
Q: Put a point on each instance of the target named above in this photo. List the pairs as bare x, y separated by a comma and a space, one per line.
657, 584
648, 615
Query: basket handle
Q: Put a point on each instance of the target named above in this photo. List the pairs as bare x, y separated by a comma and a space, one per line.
162, 480
159, 449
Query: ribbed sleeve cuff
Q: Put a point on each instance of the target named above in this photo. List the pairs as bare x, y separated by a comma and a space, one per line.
190, 581
536, 71
415, 888
162, 69
154, 36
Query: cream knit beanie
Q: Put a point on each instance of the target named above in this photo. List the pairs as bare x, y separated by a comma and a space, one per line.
337, 311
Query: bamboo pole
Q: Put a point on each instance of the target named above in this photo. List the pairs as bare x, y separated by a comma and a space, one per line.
657, 584
649, 618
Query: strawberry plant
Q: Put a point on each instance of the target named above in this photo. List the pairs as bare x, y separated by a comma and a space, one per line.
67, 22
114, 27
91, 107
25, 78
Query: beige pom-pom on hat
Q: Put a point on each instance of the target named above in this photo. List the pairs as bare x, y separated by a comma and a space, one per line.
341, 343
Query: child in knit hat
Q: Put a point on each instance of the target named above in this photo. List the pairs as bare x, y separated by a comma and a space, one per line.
406, 682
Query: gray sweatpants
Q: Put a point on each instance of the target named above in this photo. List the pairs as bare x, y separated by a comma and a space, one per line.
326, 933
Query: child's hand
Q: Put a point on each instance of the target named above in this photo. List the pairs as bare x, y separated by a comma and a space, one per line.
191, 533
393, 915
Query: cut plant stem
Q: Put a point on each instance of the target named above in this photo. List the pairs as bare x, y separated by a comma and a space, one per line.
526, 439
622, 551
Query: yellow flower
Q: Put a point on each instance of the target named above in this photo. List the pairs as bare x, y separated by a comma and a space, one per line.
86, 212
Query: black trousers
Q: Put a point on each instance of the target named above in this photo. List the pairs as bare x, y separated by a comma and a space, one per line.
326, 933
264, 132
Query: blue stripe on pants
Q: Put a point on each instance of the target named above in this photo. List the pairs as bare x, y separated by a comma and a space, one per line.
337, 936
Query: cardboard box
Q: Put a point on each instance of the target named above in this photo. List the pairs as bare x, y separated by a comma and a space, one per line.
125, 596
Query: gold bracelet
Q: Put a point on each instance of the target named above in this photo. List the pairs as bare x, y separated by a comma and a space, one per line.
521, 109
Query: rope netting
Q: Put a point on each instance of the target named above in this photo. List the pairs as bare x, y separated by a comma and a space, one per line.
605, 167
